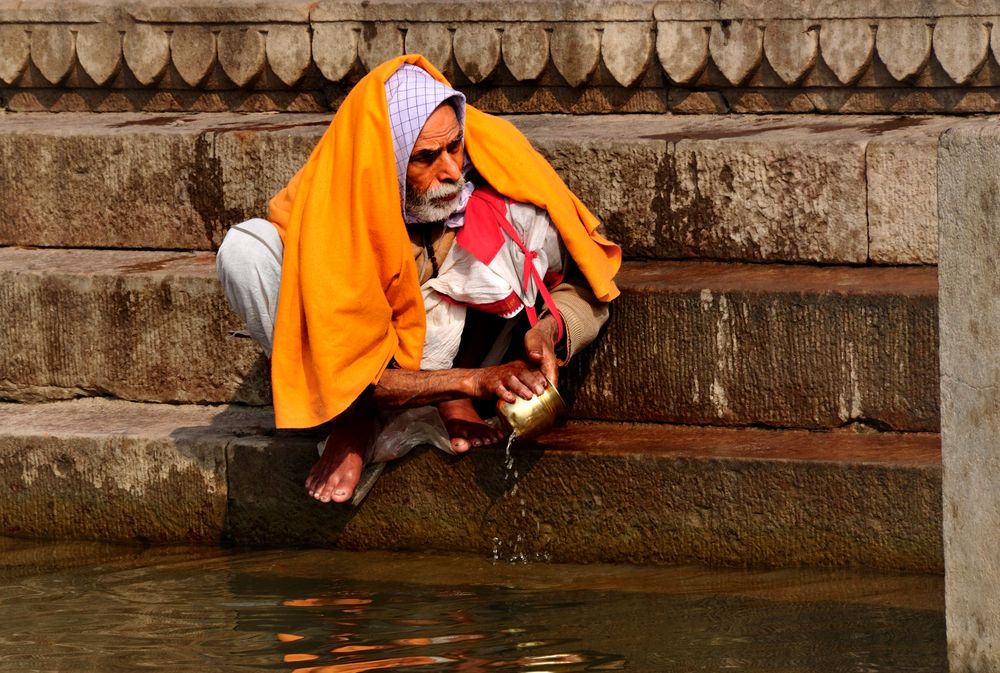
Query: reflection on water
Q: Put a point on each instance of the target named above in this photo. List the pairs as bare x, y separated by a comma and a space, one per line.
101, 608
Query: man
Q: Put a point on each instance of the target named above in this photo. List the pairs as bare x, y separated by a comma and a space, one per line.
407, 250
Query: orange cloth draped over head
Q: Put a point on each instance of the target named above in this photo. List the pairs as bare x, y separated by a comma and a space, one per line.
350, 298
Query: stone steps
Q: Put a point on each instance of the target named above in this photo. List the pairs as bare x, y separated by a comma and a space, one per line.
689, 342
803, 188
115, 470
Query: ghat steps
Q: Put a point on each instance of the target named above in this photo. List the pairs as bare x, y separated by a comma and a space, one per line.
821, 189
769, 284
115, 470
689, 342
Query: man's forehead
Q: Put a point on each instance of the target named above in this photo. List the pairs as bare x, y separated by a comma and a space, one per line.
442, 126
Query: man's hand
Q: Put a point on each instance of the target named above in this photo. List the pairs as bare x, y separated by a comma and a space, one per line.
540, 346
508, 382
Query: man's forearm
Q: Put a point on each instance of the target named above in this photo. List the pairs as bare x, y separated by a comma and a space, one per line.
401, 388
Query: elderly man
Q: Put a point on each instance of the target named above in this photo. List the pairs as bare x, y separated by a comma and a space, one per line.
408, 251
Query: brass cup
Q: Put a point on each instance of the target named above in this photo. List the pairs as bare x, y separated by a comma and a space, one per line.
526, 419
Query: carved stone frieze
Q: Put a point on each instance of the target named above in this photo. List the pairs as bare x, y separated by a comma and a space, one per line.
781, 55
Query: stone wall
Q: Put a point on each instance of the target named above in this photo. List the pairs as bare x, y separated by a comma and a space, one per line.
522, 56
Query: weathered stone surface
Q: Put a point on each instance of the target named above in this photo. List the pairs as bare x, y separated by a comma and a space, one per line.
848, 47
923, 49
139, 181
664, 495
525, 48
627, 49
961, 45
53, 51
433, 40
756, 192
229, 11
335, 49
736, 48
969, 183
754, 188
134, 325
147, 52
786, 346
904, 45
15, 48
576, 51
379, 42
903, 213
683, 49
111, 470
448, 11
193, 51
289, 52
99, 50
688, 342
242, 54
792, 49
477, 50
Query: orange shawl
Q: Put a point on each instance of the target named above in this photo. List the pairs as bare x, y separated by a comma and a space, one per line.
350, 298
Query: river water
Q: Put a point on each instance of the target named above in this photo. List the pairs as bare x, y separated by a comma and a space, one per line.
95, 607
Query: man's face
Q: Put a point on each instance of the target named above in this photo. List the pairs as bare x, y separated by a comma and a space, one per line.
434, 173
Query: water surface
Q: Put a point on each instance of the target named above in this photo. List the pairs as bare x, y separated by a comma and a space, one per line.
92, 607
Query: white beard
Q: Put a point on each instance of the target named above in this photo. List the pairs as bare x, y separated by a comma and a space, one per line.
434, 205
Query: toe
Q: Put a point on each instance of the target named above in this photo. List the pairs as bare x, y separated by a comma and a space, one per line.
344, 488
460, 445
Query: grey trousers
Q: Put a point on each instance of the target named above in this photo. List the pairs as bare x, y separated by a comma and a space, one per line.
249, 266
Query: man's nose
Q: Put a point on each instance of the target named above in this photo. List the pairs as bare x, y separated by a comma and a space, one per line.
449, 170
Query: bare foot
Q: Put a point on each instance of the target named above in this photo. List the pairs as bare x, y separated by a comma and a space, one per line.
337, 471
465, 427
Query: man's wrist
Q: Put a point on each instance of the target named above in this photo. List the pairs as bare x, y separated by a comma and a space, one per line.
550, 325
467, 383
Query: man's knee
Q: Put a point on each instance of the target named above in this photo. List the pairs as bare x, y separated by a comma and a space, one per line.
249, 250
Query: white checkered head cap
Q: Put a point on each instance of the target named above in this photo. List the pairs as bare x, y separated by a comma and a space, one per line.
412, 95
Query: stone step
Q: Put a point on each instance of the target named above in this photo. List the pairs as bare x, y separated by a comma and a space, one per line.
585, 56
688, 342
113, 470
840, 190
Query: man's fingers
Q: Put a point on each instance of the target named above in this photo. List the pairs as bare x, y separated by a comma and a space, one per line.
505, 395
518, 387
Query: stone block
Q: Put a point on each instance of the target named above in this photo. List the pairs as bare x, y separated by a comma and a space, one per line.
776, 188
697, 343
112, 470
70, 182
764, 190
135, 325
969, 208
779, 346
903, 192
622, 494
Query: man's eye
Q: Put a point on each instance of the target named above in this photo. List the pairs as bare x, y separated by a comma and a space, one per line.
425, 158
